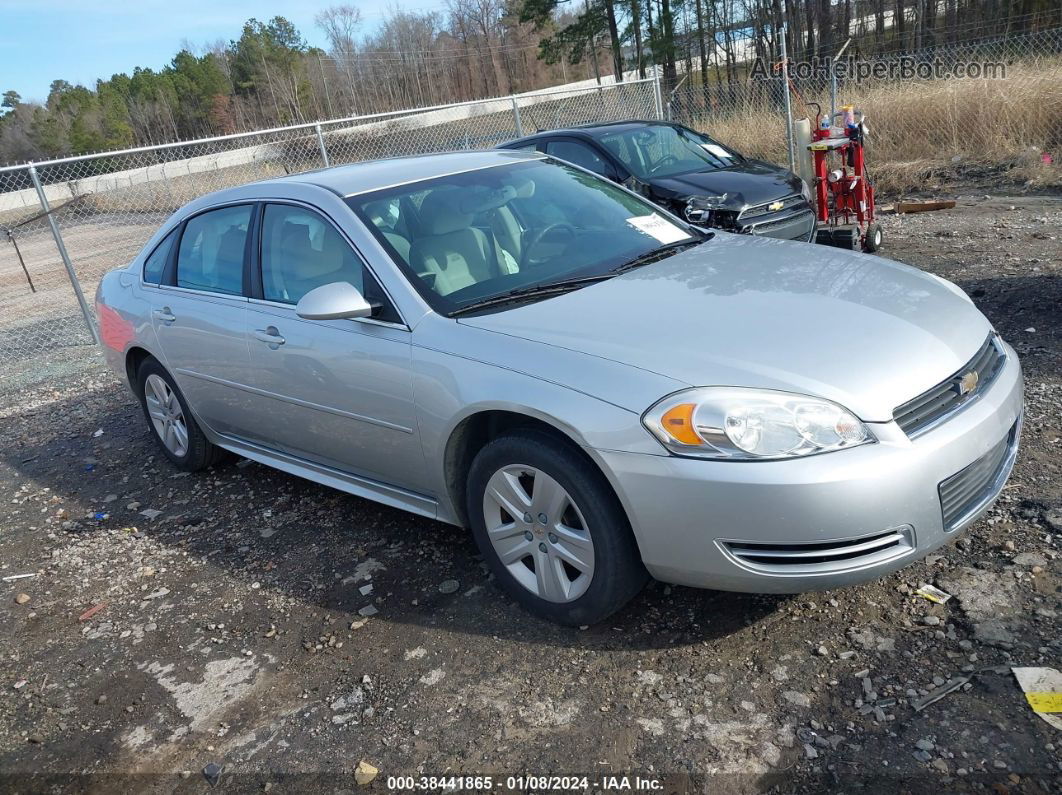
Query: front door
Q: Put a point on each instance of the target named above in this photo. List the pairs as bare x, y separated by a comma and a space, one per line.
199, 318
338, 392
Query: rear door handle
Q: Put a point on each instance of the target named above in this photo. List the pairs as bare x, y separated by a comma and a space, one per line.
164, 315
269, 336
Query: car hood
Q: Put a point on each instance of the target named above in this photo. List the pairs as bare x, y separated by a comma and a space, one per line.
739, 310
745, 184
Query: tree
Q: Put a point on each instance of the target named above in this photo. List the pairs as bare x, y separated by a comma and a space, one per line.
11, 100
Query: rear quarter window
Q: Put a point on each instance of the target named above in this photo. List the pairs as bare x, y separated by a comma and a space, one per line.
155, 264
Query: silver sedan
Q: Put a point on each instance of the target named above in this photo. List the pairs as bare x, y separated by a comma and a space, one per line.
600, 391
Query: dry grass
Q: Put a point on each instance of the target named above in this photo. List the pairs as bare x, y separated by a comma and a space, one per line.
926, 132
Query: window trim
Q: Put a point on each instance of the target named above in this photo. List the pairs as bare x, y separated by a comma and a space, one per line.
256, 293
170, 273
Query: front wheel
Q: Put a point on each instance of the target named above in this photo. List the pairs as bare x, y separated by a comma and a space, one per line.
873, 238
551, 529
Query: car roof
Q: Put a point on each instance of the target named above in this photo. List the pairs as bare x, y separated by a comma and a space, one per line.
371, 175
376, 174
593, 130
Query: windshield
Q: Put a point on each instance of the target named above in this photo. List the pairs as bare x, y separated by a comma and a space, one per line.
659, 150
465, 238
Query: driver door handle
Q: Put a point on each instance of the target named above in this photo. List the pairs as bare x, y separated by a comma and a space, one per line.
164, 315
269, 336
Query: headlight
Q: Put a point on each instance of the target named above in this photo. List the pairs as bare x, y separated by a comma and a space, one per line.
734, 423
806, 190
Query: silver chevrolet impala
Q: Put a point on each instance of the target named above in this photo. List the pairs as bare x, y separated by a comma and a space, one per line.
600, 391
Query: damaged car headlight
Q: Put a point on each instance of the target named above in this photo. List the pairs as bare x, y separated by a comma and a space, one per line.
734, 423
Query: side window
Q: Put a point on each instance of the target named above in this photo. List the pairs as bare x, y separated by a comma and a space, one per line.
211, 253
301, 251
155, 264
580, 155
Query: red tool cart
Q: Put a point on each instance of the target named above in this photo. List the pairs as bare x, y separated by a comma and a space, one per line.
844, 194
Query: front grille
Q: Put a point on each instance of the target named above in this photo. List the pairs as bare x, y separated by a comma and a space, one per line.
970, 490
822, 557
929, 408
789, 203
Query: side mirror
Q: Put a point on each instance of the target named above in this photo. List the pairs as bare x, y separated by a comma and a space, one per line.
334, 301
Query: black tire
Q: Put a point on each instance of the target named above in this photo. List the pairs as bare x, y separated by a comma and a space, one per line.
873, 238
200, 452
618, 573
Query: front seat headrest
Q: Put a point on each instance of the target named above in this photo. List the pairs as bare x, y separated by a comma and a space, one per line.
440, 212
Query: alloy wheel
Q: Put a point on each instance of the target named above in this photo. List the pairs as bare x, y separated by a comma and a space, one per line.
539, 533
166, 415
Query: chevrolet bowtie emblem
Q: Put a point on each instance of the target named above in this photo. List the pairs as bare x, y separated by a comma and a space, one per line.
968, 383
773, 206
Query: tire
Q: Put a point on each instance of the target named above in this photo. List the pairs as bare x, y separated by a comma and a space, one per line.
186, 446
534, 471
873, 239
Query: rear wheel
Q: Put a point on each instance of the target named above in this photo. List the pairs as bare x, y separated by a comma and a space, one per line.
551, 529
175, 429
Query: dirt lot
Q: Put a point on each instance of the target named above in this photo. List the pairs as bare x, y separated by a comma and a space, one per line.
176, 622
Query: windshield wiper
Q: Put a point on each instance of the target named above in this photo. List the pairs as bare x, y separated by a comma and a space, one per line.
661, 252
532, 291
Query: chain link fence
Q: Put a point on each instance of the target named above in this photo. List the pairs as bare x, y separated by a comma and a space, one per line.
926, 121
105, 207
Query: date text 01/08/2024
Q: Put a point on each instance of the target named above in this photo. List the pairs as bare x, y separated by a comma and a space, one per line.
526, 783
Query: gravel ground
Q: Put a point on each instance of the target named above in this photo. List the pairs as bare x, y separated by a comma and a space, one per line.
287, 633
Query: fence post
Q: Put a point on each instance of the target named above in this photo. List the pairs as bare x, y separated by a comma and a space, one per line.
833, 80
321, 145
63, 254
788, 107
519, 125
658, 100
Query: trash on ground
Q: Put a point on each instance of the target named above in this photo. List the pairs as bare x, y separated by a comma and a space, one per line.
212, 773
924, 206
151, 513
91, 611
364, 773
1043, 691
13, 577
932, 593
936, 695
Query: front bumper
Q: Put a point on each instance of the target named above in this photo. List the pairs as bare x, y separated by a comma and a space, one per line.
823, 521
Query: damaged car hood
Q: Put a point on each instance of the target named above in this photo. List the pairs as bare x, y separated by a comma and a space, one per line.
745, 184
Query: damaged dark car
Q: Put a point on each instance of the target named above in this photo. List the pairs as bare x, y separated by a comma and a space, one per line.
688, 173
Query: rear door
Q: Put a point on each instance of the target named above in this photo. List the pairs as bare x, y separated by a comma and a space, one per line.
337, 392
199, 316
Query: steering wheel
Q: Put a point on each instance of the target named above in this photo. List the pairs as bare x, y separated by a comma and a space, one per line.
538, 237
663, 162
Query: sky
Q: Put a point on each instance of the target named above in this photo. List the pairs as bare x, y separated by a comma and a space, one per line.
83, 40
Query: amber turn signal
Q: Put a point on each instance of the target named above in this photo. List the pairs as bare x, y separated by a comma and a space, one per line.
678, 422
